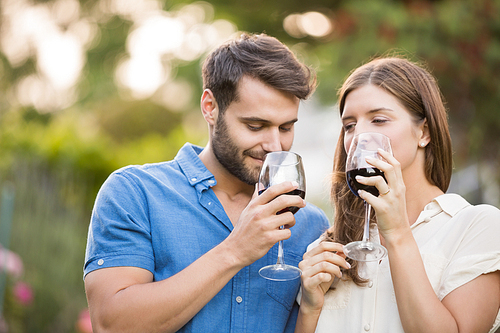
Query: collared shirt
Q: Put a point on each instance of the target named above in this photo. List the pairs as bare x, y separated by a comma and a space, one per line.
164, 216
457, 241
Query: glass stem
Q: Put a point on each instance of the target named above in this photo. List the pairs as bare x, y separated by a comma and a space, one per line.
281, 260
366, 234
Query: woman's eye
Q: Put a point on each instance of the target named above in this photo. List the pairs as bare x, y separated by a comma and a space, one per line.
379, 120
348, 127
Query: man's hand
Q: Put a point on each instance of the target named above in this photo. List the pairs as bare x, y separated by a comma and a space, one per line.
257, 229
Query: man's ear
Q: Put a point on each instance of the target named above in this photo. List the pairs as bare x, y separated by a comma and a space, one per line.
209, 107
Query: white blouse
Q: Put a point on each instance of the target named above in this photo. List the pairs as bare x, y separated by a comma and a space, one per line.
457, 241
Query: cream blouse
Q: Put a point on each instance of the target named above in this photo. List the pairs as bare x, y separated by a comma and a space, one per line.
457, 241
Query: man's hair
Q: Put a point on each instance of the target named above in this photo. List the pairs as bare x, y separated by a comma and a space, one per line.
257, 56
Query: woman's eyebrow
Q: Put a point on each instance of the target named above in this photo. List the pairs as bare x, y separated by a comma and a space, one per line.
369, 112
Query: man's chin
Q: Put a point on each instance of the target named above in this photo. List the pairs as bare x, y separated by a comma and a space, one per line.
252, 177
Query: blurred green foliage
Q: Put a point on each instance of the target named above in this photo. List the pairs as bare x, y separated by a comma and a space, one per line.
58, 159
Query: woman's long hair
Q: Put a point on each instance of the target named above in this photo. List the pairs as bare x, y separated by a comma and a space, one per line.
416, 89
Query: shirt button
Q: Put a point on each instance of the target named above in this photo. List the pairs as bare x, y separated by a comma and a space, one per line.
367, 327
100, 262
193, 179
211, 181
239, 299
370, 284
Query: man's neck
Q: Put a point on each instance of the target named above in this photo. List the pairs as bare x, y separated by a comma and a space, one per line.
226, 182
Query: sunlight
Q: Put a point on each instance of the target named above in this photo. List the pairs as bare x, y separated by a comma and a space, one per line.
160, 37
175, 95
292, 27
60, 59
33, 31
40, 93
158, 34
314, 24
65, 11
56, 35
134, 10
142, 74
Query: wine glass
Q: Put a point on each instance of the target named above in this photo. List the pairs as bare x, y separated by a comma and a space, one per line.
279, 167
365, 145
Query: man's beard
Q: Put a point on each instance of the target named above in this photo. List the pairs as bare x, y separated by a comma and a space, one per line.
231, 157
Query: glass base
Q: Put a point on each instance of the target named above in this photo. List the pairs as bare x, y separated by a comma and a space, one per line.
280, 272
365, 251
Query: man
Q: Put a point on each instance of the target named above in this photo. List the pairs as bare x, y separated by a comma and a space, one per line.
176, 246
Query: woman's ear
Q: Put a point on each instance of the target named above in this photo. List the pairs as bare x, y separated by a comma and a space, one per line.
425, 136
209, 107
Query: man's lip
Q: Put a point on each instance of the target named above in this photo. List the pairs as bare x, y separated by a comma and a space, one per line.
257, 157
260, 159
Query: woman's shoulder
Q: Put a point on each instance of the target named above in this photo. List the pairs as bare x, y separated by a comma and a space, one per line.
455, 204
483, 211
481, 219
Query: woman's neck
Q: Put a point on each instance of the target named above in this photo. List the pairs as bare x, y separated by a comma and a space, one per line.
418, 195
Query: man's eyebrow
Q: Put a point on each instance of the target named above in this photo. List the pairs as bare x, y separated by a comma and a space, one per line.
265, 121
372, 111
254, 119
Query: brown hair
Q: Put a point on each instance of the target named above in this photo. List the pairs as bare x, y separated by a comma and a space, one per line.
417, 90
258, 56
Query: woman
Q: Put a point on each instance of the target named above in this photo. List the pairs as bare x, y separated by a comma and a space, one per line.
442, 272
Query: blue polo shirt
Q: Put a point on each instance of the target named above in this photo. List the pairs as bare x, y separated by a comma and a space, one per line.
164, 216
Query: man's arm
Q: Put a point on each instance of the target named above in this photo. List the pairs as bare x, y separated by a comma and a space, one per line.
125, 299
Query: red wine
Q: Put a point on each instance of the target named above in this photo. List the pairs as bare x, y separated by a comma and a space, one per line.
365, 172
292, 209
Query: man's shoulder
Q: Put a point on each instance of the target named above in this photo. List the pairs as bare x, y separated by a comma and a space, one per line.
144, 172
313, 210
313, 216
187, 154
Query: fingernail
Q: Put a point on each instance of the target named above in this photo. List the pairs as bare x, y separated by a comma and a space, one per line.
348, 264
295, 184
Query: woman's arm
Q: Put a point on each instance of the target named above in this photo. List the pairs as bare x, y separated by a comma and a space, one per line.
470, 308
319, 267
419, 307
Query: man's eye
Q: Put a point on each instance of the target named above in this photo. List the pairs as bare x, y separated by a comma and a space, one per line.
286, 128
254, 127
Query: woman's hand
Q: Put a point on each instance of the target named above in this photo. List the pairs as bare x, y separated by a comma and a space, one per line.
319, 267
390, 205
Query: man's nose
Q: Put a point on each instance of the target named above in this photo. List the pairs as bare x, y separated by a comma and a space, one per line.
272, 141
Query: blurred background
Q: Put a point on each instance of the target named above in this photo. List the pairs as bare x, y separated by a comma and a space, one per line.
88, 86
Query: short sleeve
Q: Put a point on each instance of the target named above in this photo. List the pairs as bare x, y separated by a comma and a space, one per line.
478, 252
119, 232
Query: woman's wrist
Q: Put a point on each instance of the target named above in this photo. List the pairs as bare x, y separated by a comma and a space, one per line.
310, 311
397, 238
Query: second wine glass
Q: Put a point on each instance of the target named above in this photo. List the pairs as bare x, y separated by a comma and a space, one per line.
279, 167
365, 145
